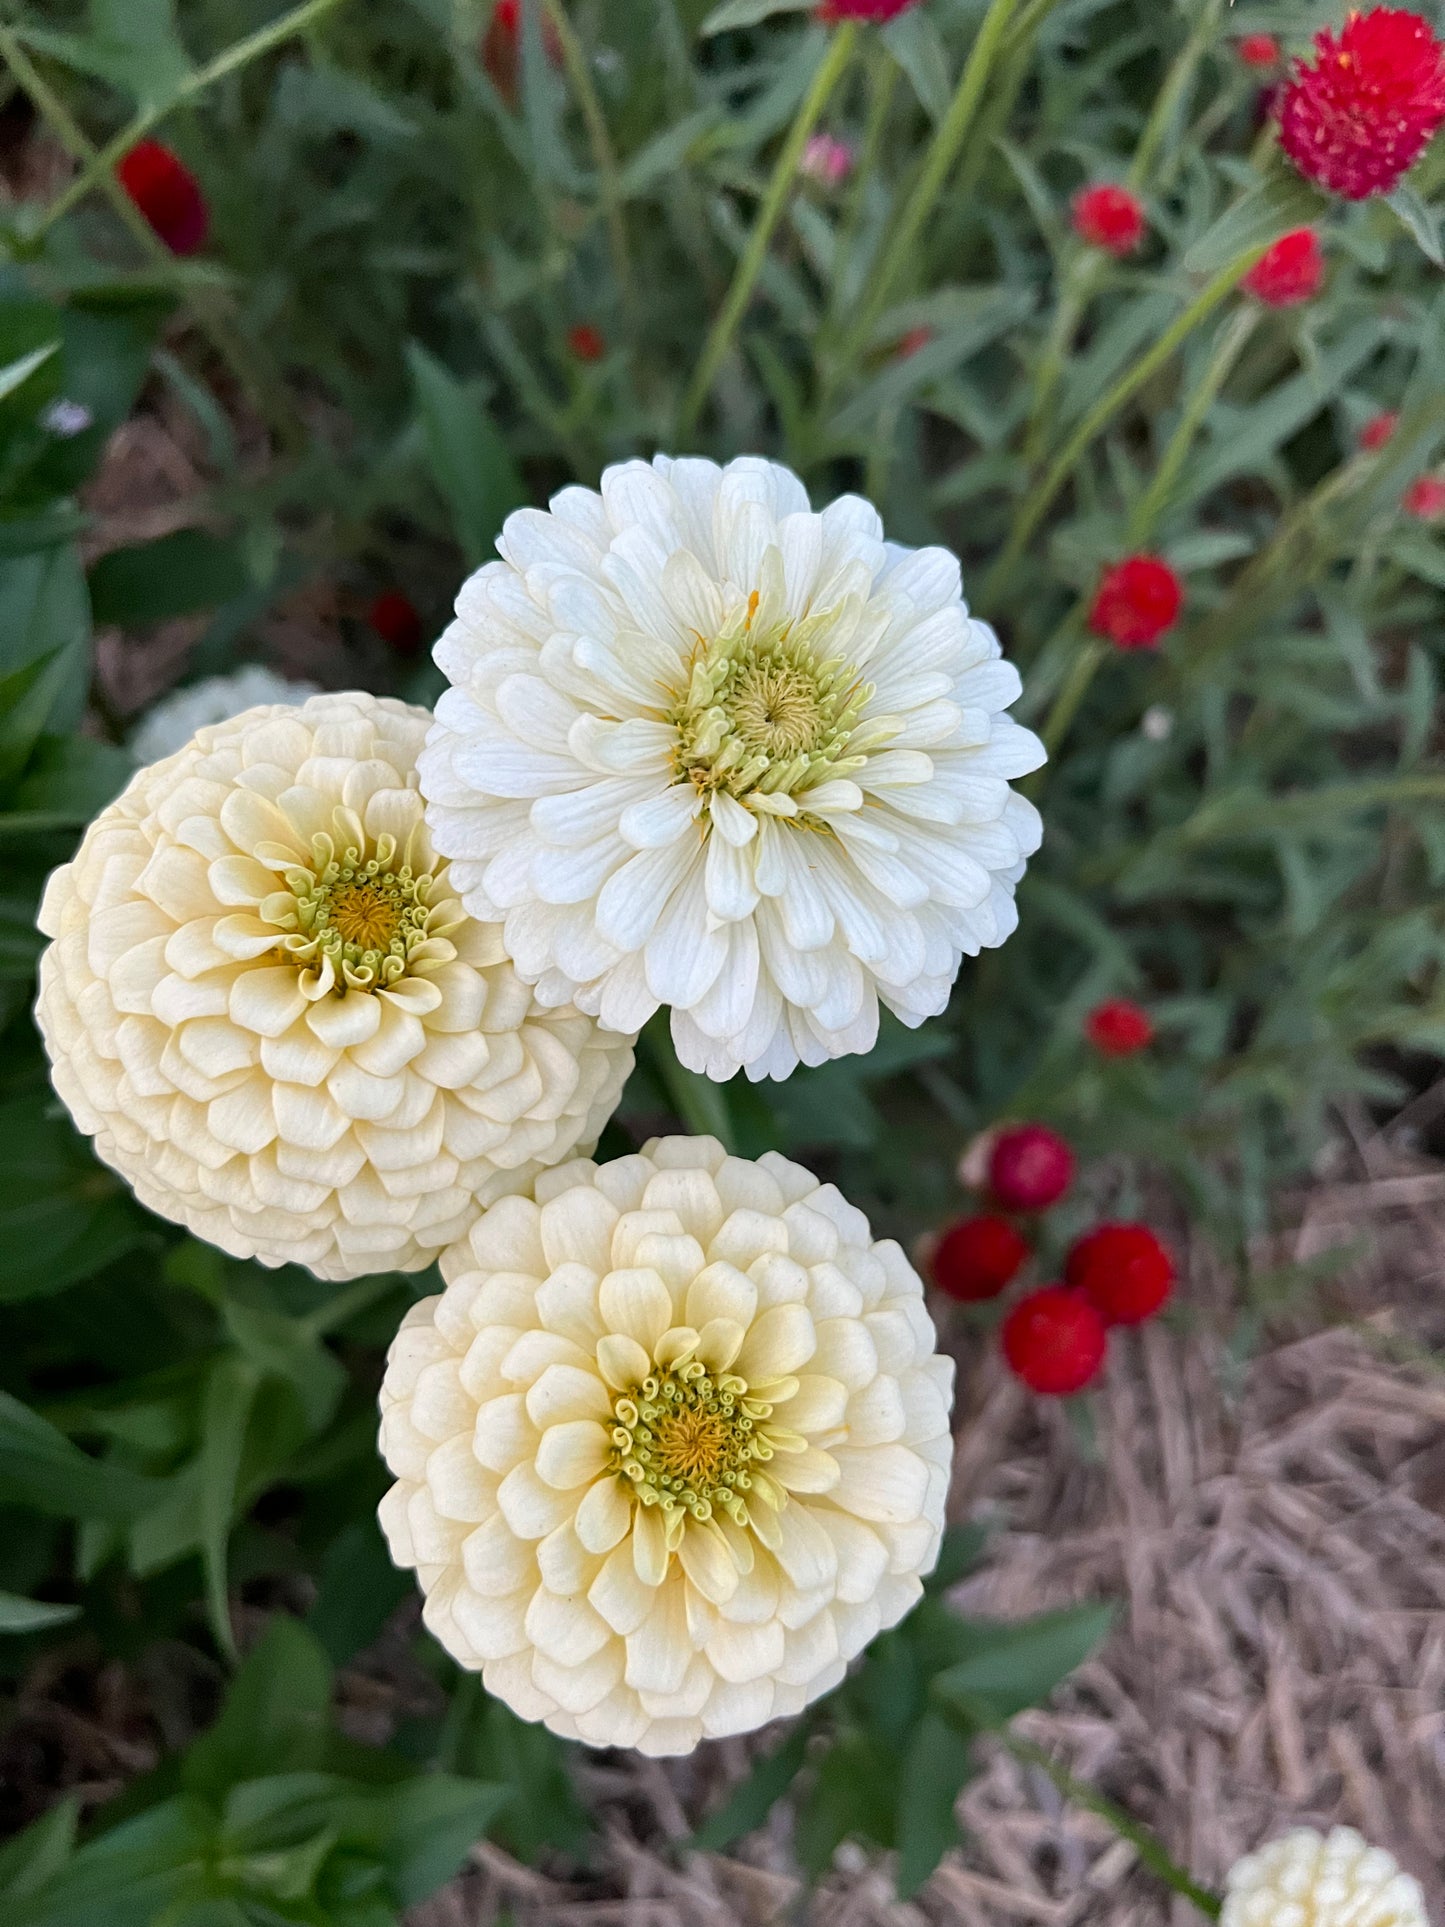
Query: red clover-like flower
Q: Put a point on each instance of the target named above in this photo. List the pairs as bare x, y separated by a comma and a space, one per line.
1124, 1271
1109, 217
1136, 602
167, 194
1055, 1341
1357, 118
977, 1257
1258, 49
1119, 1028
1378, 430
1425, 498
586, 343
1289, 272
1030, 1167
832, 11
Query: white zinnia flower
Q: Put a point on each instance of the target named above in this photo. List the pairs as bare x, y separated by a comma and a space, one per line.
1313, 1880
265, 1003
672, 1446
707, 749
171, 723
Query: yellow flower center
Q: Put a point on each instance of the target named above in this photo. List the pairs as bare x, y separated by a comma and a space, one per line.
688, 1441
365, 915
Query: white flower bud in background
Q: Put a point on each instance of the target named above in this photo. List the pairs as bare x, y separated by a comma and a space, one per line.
1309, 1879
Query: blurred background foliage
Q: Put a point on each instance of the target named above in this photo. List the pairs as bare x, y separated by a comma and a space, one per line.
377, 353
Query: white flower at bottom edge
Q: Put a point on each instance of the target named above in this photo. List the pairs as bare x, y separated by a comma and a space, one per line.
705, 748
671, 1448
265, 1003
171, 723
1309, 1879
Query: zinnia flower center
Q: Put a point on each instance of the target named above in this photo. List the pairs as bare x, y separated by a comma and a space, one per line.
366, 914
688, 1441
767, 712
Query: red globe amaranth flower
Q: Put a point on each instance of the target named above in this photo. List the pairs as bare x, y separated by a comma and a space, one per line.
1119, 1027
976, 1257
1265, 102
832, 11
501, 49
1357, 118
586, 343
1124, 1271
910, 343
1258, 49
1029, 1167
1137, 602
1378, 430
1055, 1341
1109, 217
167, 194
1289, 272
1425, 498
394, 618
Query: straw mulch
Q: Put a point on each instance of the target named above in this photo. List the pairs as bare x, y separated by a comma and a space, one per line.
1274, 1534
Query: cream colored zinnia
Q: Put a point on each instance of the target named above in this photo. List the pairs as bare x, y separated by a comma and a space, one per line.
708, 749
265, 1003
1309, 1879
671, 1448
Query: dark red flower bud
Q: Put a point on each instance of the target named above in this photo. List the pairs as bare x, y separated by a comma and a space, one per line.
1119, 1027
395, 620
1124, 1271
1029, 1167
1289, 272
1137, 602
1425, 498
1378, 430
167, 194
976, 1257
586, 343
1055, 1341
1109, 217
1258, 49
832, 11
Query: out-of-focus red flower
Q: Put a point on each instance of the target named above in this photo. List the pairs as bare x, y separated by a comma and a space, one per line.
832, 11
1265, 102
1055, 1341
1425, 498
976, 1257
1378, 430
1029, 1167
167, 194
502, 48
910, 343
586, 343
1258, 49
1119, 1028
827, 160
1357, 118
394, 618
1289, 272
1109, 217
1137, 601
1124, 1270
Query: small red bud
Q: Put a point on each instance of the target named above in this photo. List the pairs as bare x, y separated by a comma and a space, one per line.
977, 1257
1055, 1341
1030, 1167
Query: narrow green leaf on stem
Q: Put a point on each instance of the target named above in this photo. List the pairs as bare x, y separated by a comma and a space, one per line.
604, 158
699, 1102
1233, 338
837, 54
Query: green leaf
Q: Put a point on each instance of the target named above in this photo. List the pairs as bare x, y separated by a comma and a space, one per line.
1419, 220
915, 43
936, 1766
957, 1556
70, 779
747, 13
1016, 1665
275, 1717
468, 459
852, 1794
42, 1467
37, 1854
18, 372
19, 1615
63, 1217
359, 1589
225, 1414
435, 1820
131, 43
176, 575
753, 1799
1281, 202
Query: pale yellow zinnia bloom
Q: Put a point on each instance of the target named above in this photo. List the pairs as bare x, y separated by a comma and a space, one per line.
1309, 1879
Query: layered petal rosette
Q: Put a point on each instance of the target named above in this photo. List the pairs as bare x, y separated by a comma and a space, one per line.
705, 748
1309, 1879
671, 1448
266, 1004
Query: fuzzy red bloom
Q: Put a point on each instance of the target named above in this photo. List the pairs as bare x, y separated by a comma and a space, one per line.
1357, 118
1258, 49
910, 343
1109, 217
1124, 1271
1378, 430
1029, 1168
586, 343
1289, 272
832, 11
167, 194
976, 1257
1119, 1027
1425, 498
1136, 602
394, 618
1054, 1340
502, 48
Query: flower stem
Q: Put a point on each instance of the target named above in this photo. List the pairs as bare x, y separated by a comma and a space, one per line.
700, 1103
604, 159
1040, 499
830, 71
938, 163
1232, 340
1167, 102
1072, 692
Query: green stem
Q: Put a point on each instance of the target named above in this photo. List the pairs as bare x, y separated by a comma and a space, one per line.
700, 1103
1232, 340
1072, 692
1148, 1848
883, 80
840, 45
938, 164
604, 159
1040, 499
103, 161
1170, 95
